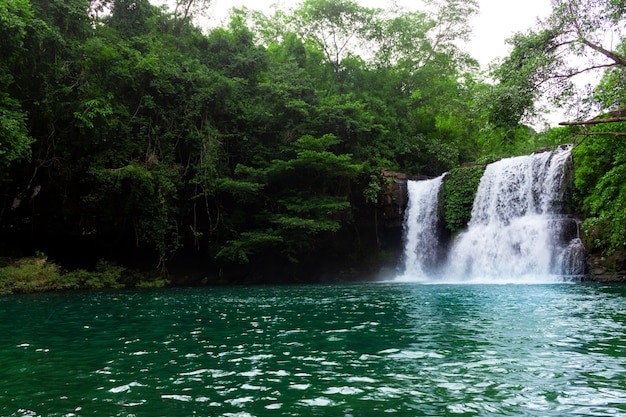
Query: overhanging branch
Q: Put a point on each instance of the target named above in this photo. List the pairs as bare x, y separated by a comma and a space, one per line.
605, 133
594, 121
619, 60
614, 116
583, 70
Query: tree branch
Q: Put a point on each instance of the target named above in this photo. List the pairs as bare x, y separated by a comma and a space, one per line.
595, 122
580, 71
619, 60
609, 54
606, 133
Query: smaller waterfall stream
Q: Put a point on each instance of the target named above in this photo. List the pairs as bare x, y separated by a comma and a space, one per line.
517, 232
421, 250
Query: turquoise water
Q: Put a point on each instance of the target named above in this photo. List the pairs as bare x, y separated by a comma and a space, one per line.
396, 349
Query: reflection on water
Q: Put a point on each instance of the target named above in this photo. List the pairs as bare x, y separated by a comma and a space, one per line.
398, 349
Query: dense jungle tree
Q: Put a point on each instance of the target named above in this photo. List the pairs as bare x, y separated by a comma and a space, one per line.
580, 36
304, 198
15, 19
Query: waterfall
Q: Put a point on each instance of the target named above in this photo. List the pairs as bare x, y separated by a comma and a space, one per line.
422, 244
518, 230
572, 257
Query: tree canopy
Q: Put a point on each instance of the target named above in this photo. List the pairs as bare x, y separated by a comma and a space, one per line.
578, 37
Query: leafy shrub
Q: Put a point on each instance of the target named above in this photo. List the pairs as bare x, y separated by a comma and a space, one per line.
605, 228
36, 274
600, 181
28, 275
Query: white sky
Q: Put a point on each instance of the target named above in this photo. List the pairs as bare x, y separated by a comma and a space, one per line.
497, 21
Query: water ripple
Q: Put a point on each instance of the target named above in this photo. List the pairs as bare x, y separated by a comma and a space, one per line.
401, 349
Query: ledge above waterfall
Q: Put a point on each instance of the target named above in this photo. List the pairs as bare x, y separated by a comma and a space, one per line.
395, 196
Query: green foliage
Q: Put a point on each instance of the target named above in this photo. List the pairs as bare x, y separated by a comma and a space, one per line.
545, 59
556, 136
148, 194
37, 274
302, 200
132, 17
28, 275
15, 142
460, 186
600, 177
248, 244
95, 108
605, 228
334, 26
106, 275
611, 91
239, 187
594, 157
373, 189
513, 99
600, 181
15, 16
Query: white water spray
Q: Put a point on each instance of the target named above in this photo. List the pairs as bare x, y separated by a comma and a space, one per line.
420, 224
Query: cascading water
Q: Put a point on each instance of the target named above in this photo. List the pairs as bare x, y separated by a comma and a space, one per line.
422, 246
516, 224
517, 232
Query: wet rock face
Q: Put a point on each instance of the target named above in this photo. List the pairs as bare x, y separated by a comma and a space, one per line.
394, 199
612, 269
